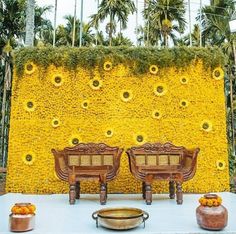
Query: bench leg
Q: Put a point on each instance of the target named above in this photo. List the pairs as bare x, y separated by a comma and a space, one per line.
103, 193
77, 189
72, 194
143, 190
179, 193
172, 189
106, 190
148, 194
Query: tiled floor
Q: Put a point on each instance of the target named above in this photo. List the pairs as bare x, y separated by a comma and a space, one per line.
54, 215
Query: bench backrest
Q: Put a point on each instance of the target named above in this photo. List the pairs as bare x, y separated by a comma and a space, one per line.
87, 157
167, 157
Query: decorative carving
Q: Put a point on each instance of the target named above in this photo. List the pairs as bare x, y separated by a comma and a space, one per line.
87, 162
157, 161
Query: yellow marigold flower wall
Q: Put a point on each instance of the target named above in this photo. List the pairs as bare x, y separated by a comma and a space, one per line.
32, 132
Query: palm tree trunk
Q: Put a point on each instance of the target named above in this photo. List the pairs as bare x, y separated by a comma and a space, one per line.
81, 22
73, 34
55, 22
110, 30
29, 38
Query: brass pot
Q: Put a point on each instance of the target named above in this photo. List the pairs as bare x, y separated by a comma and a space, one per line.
21, 222
120, 218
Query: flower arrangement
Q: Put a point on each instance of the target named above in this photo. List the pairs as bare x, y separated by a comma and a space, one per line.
23, 209
210, 200
149, 111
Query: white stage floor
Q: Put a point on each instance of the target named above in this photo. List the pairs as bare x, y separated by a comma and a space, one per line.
54, 215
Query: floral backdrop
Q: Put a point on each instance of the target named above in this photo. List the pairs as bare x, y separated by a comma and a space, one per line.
54, 106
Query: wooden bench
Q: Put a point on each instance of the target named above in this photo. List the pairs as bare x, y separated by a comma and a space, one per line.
87, 162
162, 162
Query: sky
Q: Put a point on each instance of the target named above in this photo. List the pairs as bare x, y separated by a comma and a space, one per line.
90, 7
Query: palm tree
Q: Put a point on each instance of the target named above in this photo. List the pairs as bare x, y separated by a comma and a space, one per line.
30, 12
64, 34
11, 22
116, 10
43, 27
215, 24
167, 17
195, 37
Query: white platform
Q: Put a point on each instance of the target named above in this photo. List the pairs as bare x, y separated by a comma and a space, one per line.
54, 215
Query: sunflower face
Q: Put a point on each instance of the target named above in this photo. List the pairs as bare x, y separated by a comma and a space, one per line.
160, 89
126, 95
29, 106
184, 80
95, 84
206, 125
28, 158
220, 164
107, 66
153, 69
85, 104
109, 133
57, 80
55, 123
218, 73
30, 68
156, 114
183, 103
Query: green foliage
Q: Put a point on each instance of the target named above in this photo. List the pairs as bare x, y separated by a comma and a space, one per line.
139, 58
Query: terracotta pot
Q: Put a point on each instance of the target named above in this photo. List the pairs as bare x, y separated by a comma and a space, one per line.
212, 218
21, 222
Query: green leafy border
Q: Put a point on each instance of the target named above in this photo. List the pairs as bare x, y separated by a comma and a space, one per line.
140, 58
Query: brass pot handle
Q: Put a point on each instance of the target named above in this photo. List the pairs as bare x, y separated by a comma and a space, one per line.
95, 217
145, 217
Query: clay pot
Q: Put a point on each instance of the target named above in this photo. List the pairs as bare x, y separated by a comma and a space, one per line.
212, 218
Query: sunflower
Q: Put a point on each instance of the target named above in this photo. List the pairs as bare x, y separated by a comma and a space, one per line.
160, 89
29, 105
220, 164
107, 66
184, 80
218, 73
140, 138
95, 84
109, 133
206, 125
85, 104
57, 80
153, 69
74, 140
126, 95
28, 158
55, 122
156, 114
29, 68
183, 103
